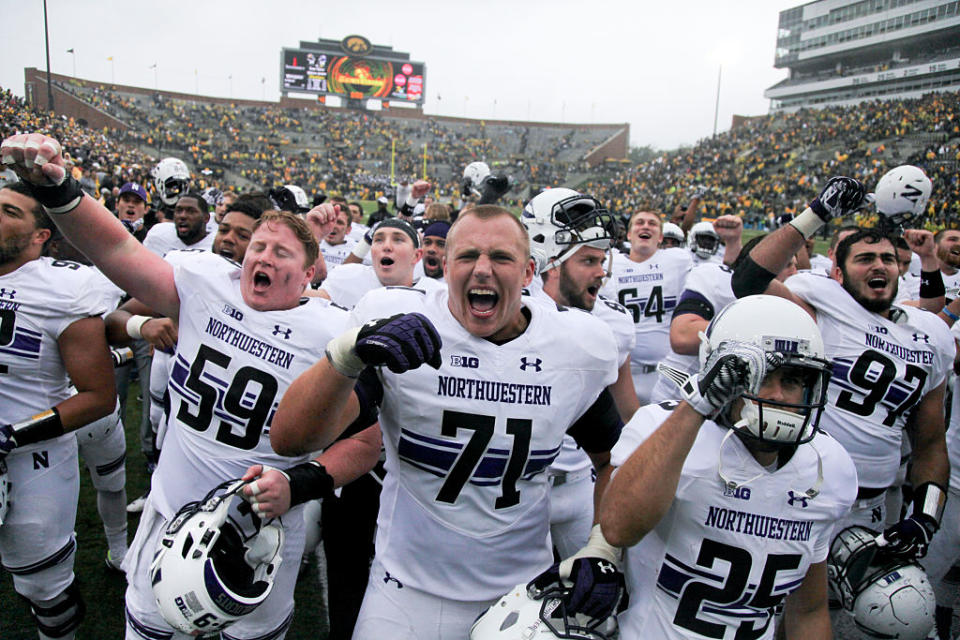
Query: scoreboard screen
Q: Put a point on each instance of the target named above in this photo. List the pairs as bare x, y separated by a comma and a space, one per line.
351, 77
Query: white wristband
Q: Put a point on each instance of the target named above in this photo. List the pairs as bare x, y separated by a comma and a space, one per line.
807, 223
361, 249
341, 355
134, 324
597, 547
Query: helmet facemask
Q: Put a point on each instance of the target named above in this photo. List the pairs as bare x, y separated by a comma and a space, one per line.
779, 423
576, 221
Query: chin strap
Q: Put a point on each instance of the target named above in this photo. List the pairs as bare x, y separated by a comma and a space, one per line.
727, 482
812, 492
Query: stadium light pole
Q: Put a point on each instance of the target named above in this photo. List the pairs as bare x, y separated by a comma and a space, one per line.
73, 55
716, 108
46, 37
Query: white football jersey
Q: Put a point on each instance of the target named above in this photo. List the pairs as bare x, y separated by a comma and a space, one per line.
112, 294
650, 290
881, 370
464, 511
820, 262
953, 430
38, 302
951, 282
231, 368
572, 458
908, 288
335, 254
711, 282
162, 239
350, 282
714, 258
356, 231
722, 559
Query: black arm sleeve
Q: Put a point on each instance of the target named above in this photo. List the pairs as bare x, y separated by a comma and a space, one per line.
749, 278
369, 392
695, 303
598, 429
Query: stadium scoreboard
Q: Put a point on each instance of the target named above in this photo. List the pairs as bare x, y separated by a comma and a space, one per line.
352, 68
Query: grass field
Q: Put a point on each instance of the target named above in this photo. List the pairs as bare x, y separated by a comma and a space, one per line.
103, 589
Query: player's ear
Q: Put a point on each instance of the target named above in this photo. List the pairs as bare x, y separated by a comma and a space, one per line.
528, 272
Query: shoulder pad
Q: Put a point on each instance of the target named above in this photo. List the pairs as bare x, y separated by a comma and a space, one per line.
616, 306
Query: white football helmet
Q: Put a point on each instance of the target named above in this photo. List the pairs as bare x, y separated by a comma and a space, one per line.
775, 325
560, 221
4, 491
206, 573
171, 178
902, 194
703, 240
473, 176
299, 196
672, 236
213, 196
520, 616
888, 597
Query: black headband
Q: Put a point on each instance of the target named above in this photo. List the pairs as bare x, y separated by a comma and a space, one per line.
404, 226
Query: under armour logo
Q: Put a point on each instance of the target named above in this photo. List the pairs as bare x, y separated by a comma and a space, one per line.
536, 364
389, 578
794, 499
917, 337
606, 567
7, 293
278, 331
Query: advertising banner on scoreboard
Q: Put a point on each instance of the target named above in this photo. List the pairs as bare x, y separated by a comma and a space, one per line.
351, 77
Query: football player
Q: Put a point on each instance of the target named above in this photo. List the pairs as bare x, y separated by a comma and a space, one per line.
336, 246
103, 443
395, 250
727, 499
706, 292
648, 282
244, 333
570, 234
51, 334
464, 510
434, 249
888, 361
191, 213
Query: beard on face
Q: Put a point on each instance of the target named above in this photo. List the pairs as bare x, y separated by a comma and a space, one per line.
12, 247
873, 305
575, 298
948, 258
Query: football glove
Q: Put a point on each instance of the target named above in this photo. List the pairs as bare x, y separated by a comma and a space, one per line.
401, 343
730, 370
594, 584
909, 538
840, 197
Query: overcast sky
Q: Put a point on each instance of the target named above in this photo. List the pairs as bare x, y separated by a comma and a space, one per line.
652, 64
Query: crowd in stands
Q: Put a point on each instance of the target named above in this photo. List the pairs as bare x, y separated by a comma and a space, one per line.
759, 170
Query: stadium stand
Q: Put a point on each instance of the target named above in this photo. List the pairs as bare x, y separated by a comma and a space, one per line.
763, 167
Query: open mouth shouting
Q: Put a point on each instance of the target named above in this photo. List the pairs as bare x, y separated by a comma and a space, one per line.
482, 301
228, 251
431, 262
261, 280
877, 283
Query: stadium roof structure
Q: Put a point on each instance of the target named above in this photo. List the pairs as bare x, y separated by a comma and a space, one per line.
842, 52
